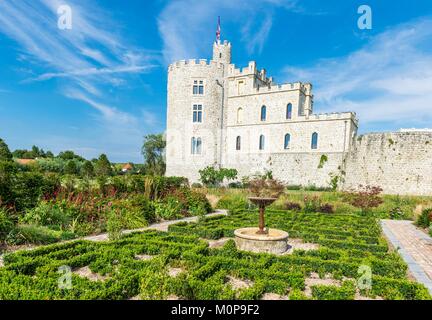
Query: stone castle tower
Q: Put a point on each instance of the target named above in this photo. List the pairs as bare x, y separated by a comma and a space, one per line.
223, 116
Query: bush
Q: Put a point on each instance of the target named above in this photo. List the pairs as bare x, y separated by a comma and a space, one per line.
366, 198
168, 209
312, 204
293, 187
47, 214
6, 225
424, 220
293, 206
146, 207
212, 177
38, 235
326, 208
114, 225
233, 203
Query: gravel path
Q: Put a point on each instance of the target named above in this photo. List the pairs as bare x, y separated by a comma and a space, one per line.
414, 246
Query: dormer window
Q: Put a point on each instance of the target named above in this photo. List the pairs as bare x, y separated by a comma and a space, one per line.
198, 87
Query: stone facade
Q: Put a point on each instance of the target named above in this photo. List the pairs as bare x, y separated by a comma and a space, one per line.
398, 162
233, 133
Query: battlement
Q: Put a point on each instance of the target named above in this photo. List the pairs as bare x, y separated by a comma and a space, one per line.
251, 69
305, 87
194, 62
334, 116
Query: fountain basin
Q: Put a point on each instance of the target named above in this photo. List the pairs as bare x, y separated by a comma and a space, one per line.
274, 241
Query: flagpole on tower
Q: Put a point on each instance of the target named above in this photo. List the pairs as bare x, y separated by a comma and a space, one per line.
218, 31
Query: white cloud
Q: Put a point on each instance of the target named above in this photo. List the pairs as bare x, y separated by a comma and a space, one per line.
88, 57
389, 80
184, 24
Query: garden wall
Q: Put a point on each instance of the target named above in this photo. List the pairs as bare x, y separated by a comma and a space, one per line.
398, 162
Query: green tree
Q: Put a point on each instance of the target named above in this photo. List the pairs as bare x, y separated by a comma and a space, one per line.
153, 151
103, 166
70, 155
87, 169
71, 167
5, 154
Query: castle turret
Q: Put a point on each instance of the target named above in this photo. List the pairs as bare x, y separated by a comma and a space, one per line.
222, 52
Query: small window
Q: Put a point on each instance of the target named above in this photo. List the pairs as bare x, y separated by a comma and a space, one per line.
197, 113
289, 111
196, 145
263, 113
314, 144
287, 141
198, 87
240, 115
238, 143
261, 142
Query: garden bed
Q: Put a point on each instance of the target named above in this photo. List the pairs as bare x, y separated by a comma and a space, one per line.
346, 242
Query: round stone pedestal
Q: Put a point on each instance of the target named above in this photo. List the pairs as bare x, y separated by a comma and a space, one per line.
275, 241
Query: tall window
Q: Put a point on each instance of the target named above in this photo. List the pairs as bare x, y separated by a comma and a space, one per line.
314, 144
261, 142
198, 87
287, 141
263, 113
238, 143
197, 113
289, 111
196, 145
239, 115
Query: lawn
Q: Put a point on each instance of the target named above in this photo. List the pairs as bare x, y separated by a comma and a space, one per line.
180, 264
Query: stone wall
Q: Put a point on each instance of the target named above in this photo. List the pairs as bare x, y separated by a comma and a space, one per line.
399, 162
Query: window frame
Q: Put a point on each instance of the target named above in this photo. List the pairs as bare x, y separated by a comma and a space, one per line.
263, 113
197, 113
289, 113
198, 87
314, 141
287, 138
261, 145
238, 143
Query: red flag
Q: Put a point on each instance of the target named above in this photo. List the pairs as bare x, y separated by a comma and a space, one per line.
218, 30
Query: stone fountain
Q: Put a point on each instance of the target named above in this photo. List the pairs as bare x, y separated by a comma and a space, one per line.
262, 239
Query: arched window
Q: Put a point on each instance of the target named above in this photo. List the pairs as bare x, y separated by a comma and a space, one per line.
287, 141
289, 111
238, 143
263, 113
239, 115
314, 144
261, 142
196, 145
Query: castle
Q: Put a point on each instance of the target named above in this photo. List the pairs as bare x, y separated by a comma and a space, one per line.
219, 115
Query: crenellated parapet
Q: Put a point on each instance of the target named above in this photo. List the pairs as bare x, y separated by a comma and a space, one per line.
191, 63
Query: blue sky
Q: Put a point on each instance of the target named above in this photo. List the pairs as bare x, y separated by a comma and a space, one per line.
100, 87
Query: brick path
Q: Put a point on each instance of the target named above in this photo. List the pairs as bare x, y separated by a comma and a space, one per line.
414, 246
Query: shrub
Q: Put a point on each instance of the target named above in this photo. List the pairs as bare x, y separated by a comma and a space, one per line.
293, 206
47, 214
366, 198
213, 177
326, 208
312, 204
6, 225
425, 218
146, 207
114, 225
233, 203
38, 235
168, 209
293, 187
